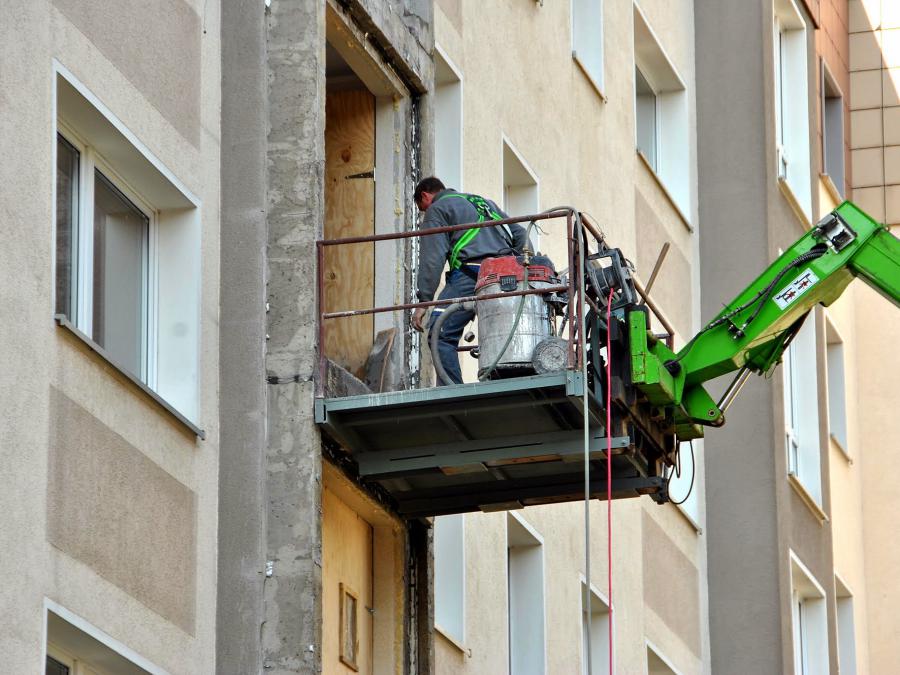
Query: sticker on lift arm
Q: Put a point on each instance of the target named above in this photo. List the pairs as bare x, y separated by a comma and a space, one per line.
795, 289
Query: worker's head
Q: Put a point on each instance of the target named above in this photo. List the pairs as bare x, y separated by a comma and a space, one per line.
426, 190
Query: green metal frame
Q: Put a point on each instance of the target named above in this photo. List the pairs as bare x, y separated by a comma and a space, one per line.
775, 304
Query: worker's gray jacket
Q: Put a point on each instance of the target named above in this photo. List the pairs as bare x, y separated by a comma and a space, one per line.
435, 249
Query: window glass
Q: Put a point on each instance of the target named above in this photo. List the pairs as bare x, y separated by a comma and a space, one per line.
67, 159
645, 113
54, 667
120, 270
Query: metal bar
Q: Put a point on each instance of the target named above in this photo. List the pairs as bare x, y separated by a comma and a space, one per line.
734, 389
438, 230
445, 301
320, 310
570, 306
656, 312
657, 266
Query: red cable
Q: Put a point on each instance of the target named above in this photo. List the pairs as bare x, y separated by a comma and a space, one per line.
609, 474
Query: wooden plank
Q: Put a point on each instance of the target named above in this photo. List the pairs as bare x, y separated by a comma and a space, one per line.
349, 212
347, 563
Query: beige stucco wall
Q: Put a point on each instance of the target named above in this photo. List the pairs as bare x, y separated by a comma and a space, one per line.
527, 89
130, 546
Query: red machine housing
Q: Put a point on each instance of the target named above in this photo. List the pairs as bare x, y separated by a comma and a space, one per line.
509, 272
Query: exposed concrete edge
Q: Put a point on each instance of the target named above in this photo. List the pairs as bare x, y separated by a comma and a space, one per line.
242, 512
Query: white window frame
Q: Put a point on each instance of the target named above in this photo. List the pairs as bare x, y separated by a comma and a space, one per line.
599, 629
171, 360
522, 193
657, 652
70, 659
450, 577
809, 621
846, 627
587, 40
525, 557
828, 81
837, 387
792, 147
674, 155
679, 485
91, 161
448, 104
801, 411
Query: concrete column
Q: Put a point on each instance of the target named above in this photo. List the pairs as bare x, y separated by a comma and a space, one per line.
291, 634
242, 546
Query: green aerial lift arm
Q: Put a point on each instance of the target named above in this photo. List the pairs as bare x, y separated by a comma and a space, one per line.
751, 333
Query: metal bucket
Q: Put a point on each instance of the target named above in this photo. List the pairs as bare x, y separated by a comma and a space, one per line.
495, 321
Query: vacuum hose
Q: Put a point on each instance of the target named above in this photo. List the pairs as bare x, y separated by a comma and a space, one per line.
433, 343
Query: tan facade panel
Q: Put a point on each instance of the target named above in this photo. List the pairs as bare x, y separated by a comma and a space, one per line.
865, 51
671, 584
892, 165
155, 45
892, 126
865, 89
865, 128
870, 200
893, 205
115, 510
868, 167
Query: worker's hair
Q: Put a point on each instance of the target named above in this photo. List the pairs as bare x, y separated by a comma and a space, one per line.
432, 185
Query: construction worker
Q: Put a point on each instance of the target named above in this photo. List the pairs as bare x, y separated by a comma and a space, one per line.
463, 250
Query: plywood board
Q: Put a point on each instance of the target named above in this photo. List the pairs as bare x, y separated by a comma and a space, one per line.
349, 212
347, 563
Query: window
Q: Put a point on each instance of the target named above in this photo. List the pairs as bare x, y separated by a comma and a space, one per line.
684, 485
646, 127
657, 664
808, 622
450, 576
837, 388
792, 103
520, 188
525, 574
662, 131
846, 631
447, 122
596, 634
127, 268
349, 627
801, 410
587, 39
832, 130
75, 647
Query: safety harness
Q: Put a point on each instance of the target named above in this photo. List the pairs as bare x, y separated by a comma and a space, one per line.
485, 212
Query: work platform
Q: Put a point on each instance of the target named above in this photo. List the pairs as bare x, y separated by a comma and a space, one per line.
486, 446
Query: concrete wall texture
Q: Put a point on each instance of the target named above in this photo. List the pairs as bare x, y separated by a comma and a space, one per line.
109, 502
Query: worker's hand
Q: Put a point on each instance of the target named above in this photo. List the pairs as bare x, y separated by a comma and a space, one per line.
417, 317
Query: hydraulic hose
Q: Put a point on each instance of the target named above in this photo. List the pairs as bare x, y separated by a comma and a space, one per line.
433, 342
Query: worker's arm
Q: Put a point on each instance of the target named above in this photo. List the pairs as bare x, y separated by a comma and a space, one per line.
433, 250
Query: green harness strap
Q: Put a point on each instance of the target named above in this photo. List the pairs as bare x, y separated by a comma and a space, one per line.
485, 212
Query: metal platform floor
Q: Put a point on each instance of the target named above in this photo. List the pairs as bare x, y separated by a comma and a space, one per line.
484, 446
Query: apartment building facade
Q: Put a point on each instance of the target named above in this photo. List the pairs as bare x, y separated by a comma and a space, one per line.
551, 114
109, 346
793, 525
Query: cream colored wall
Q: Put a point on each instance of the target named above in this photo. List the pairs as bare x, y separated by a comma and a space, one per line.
520, 82
875, 107
152, 456
845, 464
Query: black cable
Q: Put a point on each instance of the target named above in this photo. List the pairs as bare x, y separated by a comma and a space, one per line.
693, 474
762, 297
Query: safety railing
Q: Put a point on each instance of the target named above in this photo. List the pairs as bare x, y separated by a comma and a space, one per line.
579, 233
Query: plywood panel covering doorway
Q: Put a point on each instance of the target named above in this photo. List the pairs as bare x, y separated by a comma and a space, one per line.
349, 212
347, 577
